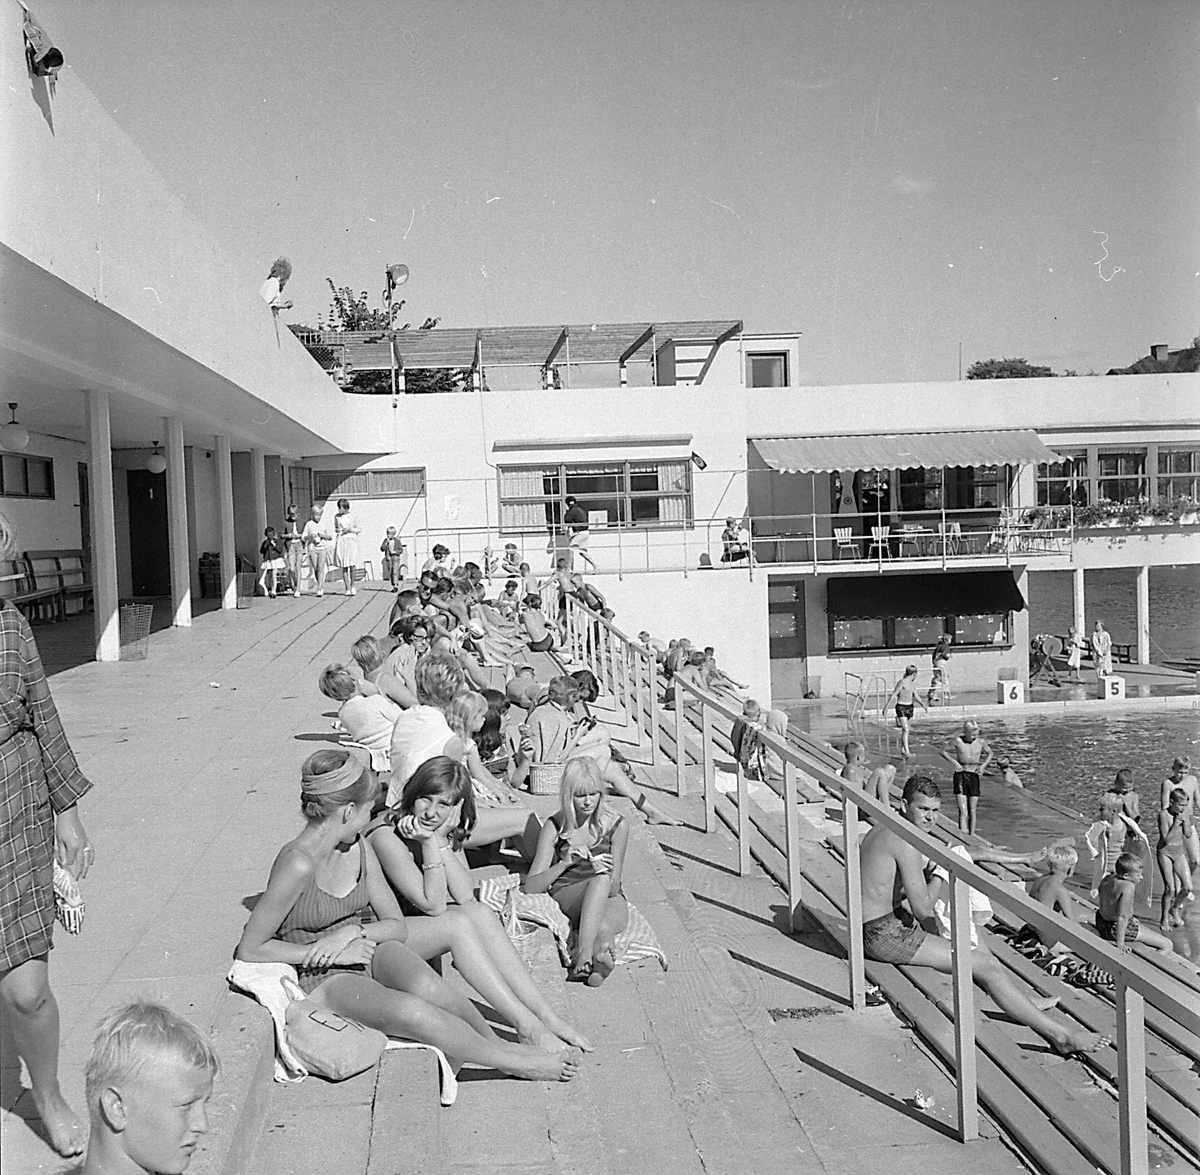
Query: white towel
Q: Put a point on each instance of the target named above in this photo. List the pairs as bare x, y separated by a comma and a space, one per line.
275, 985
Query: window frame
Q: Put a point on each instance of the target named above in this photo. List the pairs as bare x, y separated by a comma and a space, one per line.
1140, 478
889, 645
1071, 485
371, 491
7, 492
1167, 480
784, 358
560, 473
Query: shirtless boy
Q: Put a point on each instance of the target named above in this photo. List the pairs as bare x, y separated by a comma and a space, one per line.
904, 697
1050, 889
1115, 921
855, 770
969, 755
1181, 776
893, 871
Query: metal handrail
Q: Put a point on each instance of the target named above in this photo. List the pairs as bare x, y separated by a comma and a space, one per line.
1136, 981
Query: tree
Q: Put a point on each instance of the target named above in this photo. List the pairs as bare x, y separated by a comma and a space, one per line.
1006, 369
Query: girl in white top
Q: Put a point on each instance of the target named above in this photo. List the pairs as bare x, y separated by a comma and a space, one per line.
345, 549
315, 540
367, 720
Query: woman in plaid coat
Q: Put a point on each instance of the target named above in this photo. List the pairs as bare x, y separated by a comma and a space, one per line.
40, 784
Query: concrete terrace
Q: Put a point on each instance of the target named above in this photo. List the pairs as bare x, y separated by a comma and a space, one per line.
742, 1057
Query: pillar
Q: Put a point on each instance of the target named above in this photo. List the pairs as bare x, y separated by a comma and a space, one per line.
258, 480
177, 524
1078, 612
1143, 615
104, 528
225, 515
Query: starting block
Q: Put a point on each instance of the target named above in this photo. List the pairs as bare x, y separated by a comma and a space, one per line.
1111, 688
1010, 693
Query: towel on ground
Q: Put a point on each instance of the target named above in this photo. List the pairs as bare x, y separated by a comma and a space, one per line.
274, 986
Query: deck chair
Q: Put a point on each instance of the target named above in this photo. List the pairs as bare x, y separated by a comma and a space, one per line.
846, 547
879, 542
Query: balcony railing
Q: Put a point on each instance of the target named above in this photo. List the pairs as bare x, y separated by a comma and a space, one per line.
627, 670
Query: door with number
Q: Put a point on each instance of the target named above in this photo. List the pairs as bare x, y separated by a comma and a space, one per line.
149, 549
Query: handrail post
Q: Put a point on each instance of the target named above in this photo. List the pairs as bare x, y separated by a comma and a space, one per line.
680, 744
637, 696
625, 683
652, 677
743, 822
1131, 1079
964, 1009
854, 918
792, 844
710, 773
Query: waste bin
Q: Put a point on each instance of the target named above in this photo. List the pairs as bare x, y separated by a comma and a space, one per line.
133, 628
210, 575
245, 588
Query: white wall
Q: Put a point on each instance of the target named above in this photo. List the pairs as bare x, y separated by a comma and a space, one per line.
41, 524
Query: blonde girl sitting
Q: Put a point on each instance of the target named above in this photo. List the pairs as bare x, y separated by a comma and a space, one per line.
329, 911
579, 860
419, 844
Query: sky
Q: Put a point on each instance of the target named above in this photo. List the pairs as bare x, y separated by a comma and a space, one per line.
891, 180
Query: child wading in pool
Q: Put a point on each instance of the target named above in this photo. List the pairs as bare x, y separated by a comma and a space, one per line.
1174, 829
905, 697
579, 860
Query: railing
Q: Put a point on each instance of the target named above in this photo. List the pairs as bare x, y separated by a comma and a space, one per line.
597, 642
929, 538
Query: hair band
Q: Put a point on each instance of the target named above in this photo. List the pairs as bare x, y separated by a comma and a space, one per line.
328, 782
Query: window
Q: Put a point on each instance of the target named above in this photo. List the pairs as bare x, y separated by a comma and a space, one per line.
917, 632
1179, 473
1059, 483
368, 483
26, 477
920, 489
627, 493
1121, 476
991, 629
977, 487
767, 370
857, 634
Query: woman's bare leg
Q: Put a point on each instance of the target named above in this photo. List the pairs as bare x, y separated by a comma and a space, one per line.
516, 974
496, 824
402, 1014
402, 969
604, 951
32, 1011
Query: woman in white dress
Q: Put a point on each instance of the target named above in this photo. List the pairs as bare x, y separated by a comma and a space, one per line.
345, 547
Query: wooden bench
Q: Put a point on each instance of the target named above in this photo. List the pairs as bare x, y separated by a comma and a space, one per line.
19, 588
65, 571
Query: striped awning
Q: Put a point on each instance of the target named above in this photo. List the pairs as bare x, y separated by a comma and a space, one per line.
904, 450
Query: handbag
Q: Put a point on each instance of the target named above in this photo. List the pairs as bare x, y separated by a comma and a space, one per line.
328, 1044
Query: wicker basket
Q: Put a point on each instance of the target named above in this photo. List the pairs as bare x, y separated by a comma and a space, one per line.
545, 778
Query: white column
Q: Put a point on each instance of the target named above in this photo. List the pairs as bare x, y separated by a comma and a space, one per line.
225, 515
104, 528
177, 524
1143, 615
1078, 609
258, 479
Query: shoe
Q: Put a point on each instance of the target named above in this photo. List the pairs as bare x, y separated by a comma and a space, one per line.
270, 595
296, 594
319, 594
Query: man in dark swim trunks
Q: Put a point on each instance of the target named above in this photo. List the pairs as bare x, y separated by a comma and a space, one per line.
894, 872
969, 755
905, 698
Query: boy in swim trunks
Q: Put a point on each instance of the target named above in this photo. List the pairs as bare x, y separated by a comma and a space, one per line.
1181, 776
904, 697
969, 755
855, 770
893, 871
1115, 921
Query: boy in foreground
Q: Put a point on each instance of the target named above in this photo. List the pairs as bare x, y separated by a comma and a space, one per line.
893, 872
148, 1082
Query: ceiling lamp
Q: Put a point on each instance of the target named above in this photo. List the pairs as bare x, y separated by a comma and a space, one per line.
156, 462
13, 435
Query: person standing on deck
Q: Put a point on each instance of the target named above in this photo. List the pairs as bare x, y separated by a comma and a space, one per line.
316, 539
576, 521
969, 755
293, 548
941, 665
1075, 644
905, 698
1102, 651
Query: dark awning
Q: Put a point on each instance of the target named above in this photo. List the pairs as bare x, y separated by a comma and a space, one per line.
931, 450
964, 593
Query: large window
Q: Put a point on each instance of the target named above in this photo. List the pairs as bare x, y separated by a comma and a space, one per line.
917, 632
1059, 483
368, 483
1179, 473
920, 489
26, 477
625, 493
977, 487
767, 370
1121, 475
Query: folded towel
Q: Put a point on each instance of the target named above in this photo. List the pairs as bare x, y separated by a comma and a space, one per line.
274, 985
